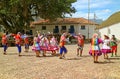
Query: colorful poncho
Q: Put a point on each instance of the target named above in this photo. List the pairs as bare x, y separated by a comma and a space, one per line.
95, 49
95, 41
62, 41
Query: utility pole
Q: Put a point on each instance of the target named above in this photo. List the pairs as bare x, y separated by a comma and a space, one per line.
88, 16
95, 21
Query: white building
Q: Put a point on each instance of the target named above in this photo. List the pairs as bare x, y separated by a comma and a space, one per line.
111, 30
80, 25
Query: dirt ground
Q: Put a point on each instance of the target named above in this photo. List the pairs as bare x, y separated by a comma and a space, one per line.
51, 67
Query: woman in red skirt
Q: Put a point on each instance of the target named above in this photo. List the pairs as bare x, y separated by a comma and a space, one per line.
113, 45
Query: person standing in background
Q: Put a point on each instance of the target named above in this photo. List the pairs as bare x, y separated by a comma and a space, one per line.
113, 44
18, 41
26, 43
4, 43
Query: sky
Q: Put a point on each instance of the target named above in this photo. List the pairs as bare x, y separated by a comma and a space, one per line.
101, 8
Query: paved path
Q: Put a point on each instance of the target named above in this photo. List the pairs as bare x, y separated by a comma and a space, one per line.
51, 67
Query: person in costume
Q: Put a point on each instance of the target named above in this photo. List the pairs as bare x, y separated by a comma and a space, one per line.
26, 43
18, 42
53, 45
36, 46
4, 43
63, 49
44, 42
95, 48
113, 45
80, 43
106, 46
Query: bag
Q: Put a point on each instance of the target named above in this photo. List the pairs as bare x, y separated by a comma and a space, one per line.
36, 45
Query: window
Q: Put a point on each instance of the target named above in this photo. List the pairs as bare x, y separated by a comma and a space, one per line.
71, 29
56, 26
43, 27
71, 26
63, 27
31, 32
83, 27
56, 29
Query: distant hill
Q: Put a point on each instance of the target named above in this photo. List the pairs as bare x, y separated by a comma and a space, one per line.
113, 19
98, 21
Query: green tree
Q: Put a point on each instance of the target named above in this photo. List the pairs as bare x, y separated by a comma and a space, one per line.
16, 15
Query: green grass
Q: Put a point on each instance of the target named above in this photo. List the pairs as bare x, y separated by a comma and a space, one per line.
113, 19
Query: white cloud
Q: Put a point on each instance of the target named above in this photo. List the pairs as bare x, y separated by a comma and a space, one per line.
107, 11
83, 4
99, 3
100, 14
100, 7
103, 11
82, 14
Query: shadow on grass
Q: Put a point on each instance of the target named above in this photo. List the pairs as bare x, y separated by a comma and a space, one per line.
12, 53
114, 58
105, 62
29, 52
27, 55
50, 55
72, 58
86, 56
57, 54
117, 56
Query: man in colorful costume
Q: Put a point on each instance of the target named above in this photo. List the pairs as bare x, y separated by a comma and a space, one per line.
63, 49
80, 43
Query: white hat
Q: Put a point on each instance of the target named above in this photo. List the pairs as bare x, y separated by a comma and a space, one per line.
79, 34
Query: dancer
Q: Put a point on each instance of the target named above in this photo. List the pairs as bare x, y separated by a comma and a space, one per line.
36, 46
63, 49
106, 46
4, 43
26, 43
95, 49
18, 41
54, 45
113, 45
44, 44
80, 44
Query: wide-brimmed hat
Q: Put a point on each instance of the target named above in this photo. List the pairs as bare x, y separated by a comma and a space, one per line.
18, 33
107, 37
79, 34
95, 35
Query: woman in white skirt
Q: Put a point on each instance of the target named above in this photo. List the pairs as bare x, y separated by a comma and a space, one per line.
106, 46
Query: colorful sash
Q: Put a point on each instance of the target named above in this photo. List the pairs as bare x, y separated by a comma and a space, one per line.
94, 43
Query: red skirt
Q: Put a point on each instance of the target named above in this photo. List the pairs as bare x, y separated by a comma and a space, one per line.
114, 49
49, 48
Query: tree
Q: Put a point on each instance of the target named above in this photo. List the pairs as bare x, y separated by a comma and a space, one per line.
16, 15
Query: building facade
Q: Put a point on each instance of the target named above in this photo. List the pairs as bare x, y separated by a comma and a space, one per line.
71, 25
110, 30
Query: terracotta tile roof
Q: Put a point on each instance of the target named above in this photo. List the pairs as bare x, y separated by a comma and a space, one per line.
64, 21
